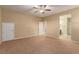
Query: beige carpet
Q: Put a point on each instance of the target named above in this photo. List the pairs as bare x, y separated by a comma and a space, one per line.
39, 44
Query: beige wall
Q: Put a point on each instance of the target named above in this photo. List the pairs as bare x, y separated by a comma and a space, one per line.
25, 25
52, 25
52, 28
75, 24
0, 23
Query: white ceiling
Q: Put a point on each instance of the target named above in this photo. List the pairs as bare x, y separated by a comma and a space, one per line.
28, 9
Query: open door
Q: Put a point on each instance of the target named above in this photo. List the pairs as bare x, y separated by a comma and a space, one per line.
8, 30
42, 27
65, 27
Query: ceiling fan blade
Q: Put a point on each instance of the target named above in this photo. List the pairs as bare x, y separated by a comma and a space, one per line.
35, 11
42, 6
43, 12
45, 6
47, 9
35, 7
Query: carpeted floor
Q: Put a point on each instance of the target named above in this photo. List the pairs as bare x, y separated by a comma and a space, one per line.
39, 45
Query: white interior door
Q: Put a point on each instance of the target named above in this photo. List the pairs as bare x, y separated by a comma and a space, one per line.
8, 31
65, 27
41, 28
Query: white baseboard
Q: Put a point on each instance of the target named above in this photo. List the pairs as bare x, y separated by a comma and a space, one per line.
52, 36
31, 35
75, 42
27, 36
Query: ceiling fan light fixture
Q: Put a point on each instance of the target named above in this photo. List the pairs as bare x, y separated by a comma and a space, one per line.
41, 8
36, 6
41, 11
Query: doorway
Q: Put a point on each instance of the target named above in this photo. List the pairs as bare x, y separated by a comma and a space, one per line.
8, 30
42, 27
65, 27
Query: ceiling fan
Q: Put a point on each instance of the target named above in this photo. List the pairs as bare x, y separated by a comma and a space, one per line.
41, 8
